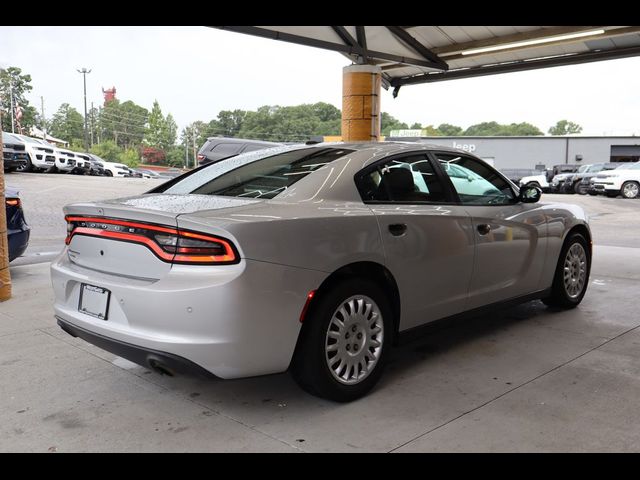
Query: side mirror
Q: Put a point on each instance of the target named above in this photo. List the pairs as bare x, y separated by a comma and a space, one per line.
530, 194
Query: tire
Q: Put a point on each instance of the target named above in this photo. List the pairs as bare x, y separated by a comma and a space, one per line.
534, 184
569, 293
317, 366
580, 189
630, 190
28, 167
108, 173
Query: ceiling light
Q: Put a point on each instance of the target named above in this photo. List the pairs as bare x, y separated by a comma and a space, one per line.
534, 41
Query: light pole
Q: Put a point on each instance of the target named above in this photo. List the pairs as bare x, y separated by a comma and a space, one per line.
84, 72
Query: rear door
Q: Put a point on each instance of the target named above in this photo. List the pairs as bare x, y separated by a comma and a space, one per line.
427, 238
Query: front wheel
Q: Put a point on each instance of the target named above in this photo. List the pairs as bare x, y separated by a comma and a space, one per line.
344, 341
572, 273
630, 190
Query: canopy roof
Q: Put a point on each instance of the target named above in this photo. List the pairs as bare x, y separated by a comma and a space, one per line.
421, 54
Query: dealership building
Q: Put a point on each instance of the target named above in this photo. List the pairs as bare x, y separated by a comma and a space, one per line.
536, 152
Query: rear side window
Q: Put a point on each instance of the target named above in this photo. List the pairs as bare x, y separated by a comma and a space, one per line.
226, 148
264, 177
404, 179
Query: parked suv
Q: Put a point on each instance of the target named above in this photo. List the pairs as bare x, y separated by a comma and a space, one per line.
39, 154
13, 152
624, 180
219, 148
579, 181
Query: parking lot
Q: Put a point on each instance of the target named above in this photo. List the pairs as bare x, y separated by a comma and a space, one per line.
524, 379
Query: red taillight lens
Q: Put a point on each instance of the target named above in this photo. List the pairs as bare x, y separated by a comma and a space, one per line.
200, 157
13, 202
168, 244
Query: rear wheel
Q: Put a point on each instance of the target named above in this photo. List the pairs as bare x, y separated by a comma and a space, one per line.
572, 273
344, 341
630, 190
108, 173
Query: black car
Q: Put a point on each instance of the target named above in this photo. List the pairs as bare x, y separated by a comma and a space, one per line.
17, 228
219, 148
14, 152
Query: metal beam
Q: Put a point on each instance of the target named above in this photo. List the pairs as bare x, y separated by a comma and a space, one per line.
346, 37
520, 66
336, 47
404, 36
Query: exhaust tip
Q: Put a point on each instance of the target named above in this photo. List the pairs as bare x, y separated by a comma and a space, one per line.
157, 366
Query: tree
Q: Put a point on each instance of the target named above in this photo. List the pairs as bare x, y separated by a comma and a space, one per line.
125, 123
107, 150
67, 123
449, 130
129, 157
153, 136
430, 131
388, 123
491, 129
565, 127
416, 126
13, 77
170, 132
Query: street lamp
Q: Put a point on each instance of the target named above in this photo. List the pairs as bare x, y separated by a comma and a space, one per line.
84, 72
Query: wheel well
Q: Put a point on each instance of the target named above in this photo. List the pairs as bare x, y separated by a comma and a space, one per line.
370, 271
584, 231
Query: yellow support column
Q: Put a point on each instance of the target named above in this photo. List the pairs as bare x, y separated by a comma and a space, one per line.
361, 103
5, 278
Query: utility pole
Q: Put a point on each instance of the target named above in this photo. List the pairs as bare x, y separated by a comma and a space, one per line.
13, 107
92, 124
44, 122
186, 152
84, 72
195, 156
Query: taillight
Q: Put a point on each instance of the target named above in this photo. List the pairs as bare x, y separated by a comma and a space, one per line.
13, 202
168, 244
200, 157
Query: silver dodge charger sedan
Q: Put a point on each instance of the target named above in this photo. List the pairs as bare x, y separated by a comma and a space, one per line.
312, 258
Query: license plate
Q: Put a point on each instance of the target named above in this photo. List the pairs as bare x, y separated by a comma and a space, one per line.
94, 301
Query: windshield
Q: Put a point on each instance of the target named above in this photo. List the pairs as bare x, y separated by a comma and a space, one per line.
260, 174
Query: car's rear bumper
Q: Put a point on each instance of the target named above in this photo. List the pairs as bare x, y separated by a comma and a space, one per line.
18, 242
161, 362
232, 320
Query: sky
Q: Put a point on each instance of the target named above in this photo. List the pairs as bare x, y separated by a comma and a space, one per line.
194, 72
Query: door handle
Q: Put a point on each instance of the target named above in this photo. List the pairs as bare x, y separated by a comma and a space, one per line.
397, 229
484, 228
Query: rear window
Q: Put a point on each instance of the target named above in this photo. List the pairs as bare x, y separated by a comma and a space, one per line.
262, 174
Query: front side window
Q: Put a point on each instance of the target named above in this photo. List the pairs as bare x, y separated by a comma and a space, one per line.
404, 179
476, 182
260, 174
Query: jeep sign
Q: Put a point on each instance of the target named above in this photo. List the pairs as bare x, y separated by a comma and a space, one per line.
467, 147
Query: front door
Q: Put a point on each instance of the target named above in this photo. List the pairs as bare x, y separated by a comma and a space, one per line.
510, 236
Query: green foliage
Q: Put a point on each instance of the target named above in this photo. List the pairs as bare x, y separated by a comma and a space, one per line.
565, 127
67, 124
129, 157
161, 132
77, 145
389, 123
295, 123
448, 130
107, 150
124, 123
431, 131
21, 85
491, 129
416, 126
175, 157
